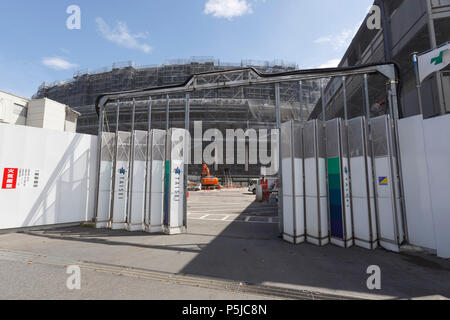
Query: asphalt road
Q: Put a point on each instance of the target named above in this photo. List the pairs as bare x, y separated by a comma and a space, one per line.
232, 258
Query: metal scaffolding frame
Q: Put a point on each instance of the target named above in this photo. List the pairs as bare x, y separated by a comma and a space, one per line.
244, 77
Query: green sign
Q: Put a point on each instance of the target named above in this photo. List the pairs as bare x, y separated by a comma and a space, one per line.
439, 59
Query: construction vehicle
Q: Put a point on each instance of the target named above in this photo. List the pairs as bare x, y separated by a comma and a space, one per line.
209, 182
194, 186
252, 185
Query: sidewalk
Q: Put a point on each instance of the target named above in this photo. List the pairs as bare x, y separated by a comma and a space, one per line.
215, 260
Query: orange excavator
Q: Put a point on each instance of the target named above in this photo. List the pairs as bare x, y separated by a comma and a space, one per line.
209, 182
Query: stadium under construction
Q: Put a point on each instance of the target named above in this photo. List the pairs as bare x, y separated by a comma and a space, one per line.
232, 108
408, 26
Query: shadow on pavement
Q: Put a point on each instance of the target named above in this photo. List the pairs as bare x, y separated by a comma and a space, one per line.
254, 253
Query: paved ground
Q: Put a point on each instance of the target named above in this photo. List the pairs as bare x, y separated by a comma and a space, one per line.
230, 206
218, 259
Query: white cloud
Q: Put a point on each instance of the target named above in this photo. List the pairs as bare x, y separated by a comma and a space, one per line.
228, 8
58, 63
121, 36
339, 41
333, 63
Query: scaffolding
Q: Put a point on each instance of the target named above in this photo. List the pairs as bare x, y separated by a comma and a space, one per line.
246, 107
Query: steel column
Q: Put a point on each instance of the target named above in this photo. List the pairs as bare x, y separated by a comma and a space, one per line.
300, 99
294, 198
324, 124
131, 169
99, 159
344, 94
167, 113
114, 166
280, 164
324, 107
187, 154
148, 166
366, 96
394, 101
365, 144
418, 86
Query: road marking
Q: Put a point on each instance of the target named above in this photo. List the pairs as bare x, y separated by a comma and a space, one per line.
231, 218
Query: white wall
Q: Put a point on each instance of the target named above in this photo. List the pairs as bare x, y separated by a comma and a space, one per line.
437, 146
38, 113
13, 109
66, 164
425, 156
419, 213
46, 113
70, 124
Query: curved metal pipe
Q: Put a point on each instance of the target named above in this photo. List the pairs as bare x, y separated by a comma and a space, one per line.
255, 77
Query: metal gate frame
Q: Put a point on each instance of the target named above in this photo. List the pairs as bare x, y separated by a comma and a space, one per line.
250, 76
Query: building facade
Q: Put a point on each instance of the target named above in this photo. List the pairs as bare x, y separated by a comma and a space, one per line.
39, 113
251, 107
408, 26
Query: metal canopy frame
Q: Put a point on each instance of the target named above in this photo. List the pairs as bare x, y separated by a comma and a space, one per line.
241, 78
246, 77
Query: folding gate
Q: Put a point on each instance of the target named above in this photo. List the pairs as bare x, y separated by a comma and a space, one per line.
339, 202
121, 181
390, 220
316, 207
105, 182
137, 192
155, 193
362, 185
142, 182
174, 182
339, 179
345, 201
293, 186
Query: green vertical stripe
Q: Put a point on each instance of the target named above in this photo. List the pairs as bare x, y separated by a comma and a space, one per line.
335, 198
334, 166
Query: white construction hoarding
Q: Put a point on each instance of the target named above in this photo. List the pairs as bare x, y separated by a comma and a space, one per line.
425, 154
48, 177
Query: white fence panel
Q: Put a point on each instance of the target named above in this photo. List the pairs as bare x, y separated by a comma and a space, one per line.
437, 147
425, 150
419, 215
47, 177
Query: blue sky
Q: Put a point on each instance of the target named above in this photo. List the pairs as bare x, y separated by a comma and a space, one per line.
37, 46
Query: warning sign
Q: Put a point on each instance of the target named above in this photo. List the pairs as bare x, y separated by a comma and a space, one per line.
383, 181
9, 178
17, 178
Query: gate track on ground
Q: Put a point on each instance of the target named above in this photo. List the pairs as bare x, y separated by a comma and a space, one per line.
173, 278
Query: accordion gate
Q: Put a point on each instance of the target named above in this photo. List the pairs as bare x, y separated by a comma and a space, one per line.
339, 186
141, 181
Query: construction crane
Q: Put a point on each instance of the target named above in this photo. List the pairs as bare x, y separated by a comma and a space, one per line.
209, 182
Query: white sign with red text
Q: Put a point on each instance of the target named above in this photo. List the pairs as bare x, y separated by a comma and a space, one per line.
19, 178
